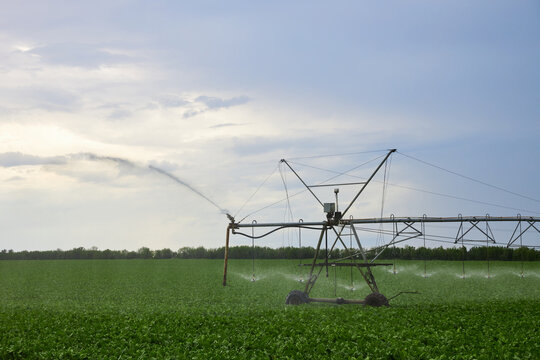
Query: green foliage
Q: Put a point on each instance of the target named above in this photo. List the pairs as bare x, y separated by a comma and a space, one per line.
247, 252
178, 309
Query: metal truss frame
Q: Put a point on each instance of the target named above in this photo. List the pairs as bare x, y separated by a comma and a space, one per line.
403, 229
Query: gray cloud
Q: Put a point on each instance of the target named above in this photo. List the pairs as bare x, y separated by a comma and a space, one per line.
55, 98
172, 101
224, 125
49, 98
119, 114
190, 113
216, 103
11, 159
78, 54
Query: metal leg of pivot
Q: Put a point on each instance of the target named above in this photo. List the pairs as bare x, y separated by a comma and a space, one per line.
312, 277
367, 274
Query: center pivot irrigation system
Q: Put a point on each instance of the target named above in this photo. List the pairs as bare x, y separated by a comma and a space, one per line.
361, 257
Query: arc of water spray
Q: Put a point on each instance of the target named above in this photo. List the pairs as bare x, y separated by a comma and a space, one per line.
129, 163
117, 160
181, 182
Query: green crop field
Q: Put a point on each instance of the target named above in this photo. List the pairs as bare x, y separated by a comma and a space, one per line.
178, 309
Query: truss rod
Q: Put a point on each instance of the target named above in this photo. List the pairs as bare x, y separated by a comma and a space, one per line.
303, 182
394, 220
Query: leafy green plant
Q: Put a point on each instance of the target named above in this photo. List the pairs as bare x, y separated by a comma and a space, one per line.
178, 309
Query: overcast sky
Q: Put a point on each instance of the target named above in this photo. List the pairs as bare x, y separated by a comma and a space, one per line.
216, 93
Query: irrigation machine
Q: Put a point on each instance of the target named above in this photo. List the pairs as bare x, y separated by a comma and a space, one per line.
332, 233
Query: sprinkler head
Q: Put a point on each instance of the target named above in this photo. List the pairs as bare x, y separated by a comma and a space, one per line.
253, 278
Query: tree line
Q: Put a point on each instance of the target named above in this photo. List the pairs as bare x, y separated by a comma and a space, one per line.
247, 252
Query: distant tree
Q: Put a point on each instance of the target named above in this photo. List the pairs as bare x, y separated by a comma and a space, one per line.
145, 253
163, 254
247, 252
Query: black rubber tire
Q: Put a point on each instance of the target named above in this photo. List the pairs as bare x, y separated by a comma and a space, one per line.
296, 297
376, 299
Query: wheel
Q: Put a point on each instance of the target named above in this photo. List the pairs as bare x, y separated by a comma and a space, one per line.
296, 297
376, 299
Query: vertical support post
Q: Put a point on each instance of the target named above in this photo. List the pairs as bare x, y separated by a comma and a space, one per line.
301, 279
521, 245
335, 279
462, 246
351, 252
326, 253
253, 250
394, 235
425, 250
487, 244
226, 256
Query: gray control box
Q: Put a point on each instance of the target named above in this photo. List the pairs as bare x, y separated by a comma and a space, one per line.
329, 207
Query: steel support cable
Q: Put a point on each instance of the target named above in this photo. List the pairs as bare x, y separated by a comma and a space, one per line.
379, 234
288, 203
428, 191
288, 207
303, 191
387, 165
256, 191
390, 184
270, 205
470, 178
465, 199
333, 155
337, 172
